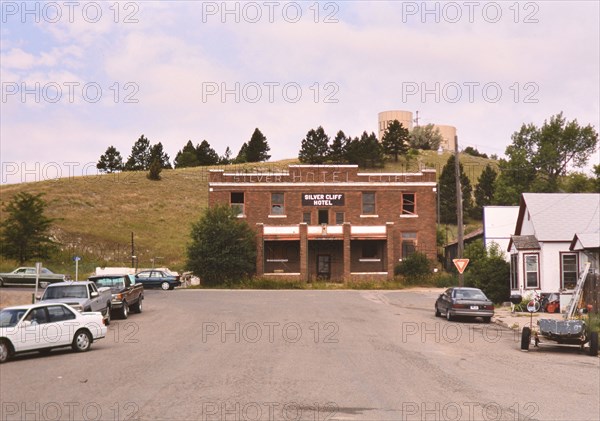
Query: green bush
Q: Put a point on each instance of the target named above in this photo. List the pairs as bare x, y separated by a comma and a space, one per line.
223, 248
414, 266
488, 271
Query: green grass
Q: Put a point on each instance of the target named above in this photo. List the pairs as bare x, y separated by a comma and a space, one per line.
95, 215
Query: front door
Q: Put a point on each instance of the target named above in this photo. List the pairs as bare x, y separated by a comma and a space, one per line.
324, 266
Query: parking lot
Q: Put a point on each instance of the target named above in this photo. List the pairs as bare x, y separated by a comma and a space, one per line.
314, 355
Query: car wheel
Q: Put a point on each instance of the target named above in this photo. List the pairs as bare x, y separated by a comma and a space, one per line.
5, 351
437, 312
448, 315
165, 286
594, 344
81, 341
124, 310
525, 338
139, 305
1, 283
487, 319
107, 318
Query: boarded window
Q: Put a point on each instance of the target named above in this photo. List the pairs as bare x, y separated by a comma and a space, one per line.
368, 203
409, 204
409, 244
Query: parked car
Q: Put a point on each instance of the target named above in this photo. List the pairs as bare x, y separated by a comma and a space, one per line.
462, 301
45, 326
127, 294
26, 276
83, 296
158, 278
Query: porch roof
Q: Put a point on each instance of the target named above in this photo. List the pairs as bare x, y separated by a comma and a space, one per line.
292, 232
525, 242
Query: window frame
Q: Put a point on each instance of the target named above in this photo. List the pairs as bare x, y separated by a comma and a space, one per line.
406, 240
364, 203
562, 270
525, 272
280, 205
514, 271
238, 205
404, 211
343, 216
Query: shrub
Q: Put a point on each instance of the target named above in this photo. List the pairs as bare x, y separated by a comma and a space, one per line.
416, 265
223, 248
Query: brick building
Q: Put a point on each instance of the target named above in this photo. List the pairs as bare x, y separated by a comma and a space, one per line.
330, 221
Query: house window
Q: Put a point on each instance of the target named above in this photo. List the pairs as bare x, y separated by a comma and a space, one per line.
532, 271
369, 250
409, 204
339, 218
568, 270
368, 203
237, 203
306, 218
409, 244
323, 216
514, 271
277, 207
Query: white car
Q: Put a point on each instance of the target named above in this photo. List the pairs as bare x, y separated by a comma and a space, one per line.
45, 326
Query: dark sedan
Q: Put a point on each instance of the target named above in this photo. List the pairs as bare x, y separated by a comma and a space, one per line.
158, 278
468, 302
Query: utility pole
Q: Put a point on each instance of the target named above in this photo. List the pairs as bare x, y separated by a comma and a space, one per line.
132, 251
459, 210
416, 120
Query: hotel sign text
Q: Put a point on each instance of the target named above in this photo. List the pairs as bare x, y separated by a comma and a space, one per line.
322, 199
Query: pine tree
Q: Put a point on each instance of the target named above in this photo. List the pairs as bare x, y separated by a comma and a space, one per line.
226, 158
154, 170
447, 181
484, 191
110, 161
157, 153
395, 140
241, 156
366, 152
140, 155
257, 148
187, 156
206, 155
25, 229
315, 147
337, 151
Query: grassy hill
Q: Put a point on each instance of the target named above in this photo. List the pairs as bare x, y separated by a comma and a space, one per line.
95, 215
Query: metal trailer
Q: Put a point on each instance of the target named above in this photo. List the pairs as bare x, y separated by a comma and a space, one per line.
568, 331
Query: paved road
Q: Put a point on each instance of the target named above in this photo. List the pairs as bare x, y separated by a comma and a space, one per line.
313, 355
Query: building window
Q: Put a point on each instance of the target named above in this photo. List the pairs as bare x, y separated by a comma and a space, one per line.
369, 250
514, 271
277, 207
409, 204
323, 216
568, 270
306, 218
339, 218
237, 203
409, 244
368, 203
532, 271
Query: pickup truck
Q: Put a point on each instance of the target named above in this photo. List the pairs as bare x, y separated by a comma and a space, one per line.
26, 276
126, 292
83, 296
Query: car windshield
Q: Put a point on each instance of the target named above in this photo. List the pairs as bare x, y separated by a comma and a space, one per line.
10, 317
71, 291
470, 294
111, 282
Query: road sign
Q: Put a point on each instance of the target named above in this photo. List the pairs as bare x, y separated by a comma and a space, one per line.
460, 264
76, 259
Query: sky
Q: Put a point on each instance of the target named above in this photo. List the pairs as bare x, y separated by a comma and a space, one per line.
78, 77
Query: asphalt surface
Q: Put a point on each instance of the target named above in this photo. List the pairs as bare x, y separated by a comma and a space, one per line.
310, 355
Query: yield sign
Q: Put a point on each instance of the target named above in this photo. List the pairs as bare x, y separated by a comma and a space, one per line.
460, 264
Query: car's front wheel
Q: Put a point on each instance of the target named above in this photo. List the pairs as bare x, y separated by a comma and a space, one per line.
437, 312
165, 286
4, 351
82, 341
125, 310
448, 315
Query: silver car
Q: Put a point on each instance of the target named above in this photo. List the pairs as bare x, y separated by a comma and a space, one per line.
462, 301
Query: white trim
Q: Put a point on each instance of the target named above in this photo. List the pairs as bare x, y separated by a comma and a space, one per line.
277, 216
369, 216
281, 274
241, 215
368, 273
323, 166
277, 260
254, 174
369, 260
408, 216
321, 184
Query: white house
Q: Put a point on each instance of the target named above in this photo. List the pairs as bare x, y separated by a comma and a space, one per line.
498, 226
555, 236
